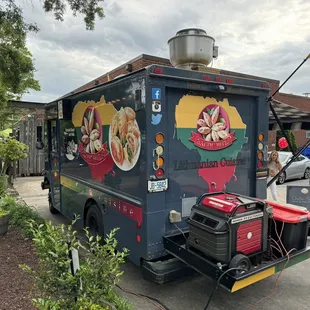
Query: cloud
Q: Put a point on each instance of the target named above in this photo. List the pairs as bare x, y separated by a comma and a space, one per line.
264, 38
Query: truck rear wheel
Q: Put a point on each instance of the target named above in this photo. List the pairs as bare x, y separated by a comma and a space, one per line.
94, 221
51, 207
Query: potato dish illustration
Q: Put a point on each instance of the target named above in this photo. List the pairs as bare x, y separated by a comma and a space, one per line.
125, 138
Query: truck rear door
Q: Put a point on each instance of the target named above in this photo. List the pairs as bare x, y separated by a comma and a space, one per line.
216, 135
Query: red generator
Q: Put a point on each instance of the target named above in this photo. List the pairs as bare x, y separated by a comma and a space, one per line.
229, 228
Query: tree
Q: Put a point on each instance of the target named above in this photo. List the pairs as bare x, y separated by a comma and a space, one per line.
87, 8
16, 63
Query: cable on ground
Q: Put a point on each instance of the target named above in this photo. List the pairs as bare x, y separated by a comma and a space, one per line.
157, 303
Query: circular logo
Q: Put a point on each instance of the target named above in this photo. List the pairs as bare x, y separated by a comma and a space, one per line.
249, 236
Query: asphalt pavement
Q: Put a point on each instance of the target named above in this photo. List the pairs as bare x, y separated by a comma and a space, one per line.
192, 292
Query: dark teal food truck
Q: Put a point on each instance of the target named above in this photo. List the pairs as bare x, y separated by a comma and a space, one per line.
176, 157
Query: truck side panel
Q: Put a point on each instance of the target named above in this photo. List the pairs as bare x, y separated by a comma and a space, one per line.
95, 169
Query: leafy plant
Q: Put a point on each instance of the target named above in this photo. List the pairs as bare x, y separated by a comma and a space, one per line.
11, 151
93, 284
20, 214
4, 212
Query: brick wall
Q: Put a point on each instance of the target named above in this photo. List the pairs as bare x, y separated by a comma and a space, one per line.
272, 136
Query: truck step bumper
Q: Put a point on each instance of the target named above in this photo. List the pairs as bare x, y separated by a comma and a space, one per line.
164, 271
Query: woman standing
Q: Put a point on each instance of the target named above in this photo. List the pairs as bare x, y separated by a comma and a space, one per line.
274, 166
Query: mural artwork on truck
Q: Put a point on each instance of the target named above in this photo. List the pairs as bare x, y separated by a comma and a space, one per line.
106, 136
216, 131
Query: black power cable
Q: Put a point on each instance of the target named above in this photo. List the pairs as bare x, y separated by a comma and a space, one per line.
218, 283
145, 296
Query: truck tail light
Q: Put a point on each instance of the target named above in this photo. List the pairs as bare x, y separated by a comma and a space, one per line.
206, 78
260, 154
159, 162
159, 138
158, 70
159, 159
159, 173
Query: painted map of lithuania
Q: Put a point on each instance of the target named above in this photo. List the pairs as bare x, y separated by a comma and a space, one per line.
216, 131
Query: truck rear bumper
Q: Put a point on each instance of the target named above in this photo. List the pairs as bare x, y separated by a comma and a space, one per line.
175, 246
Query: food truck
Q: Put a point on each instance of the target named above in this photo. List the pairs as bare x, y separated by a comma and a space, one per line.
176, 157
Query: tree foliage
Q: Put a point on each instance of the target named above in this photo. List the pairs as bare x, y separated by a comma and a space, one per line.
16, 62
89, 9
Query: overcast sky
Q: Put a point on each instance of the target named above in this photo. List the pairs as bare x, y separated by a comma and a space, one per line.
260, 37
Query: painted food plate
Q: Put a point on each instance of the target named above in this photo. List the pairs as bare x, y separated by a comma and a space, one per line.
213, 123
125, 139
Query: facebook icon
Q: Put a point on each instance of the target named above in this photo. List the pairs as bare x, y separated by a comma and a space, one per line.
156, 93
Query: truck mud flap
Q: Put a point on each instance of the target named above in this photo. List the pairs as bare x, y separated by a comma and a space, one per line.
165, 270
175, 246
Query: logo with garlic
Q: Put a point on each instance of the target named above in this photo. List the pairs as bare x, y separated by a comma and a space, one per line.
213, 129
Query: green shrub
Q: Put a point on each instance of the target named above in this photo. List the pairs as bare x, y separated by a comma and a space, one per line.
3, 212
20, 214
94, 283
11, 151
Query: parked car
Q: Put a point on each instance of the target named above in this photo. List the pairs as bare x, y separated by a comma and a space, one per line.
299, 169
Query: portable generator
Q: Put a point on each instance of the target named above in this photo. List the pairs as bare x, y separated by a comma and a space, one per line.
229, 228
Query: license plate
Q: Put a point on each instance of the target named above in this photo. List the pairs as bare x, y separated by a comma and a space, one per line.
158, 186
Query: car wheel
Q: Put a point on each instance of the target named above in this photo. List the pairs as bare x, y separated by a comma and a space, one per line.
281, 178
94, 221
307, 174
51, 207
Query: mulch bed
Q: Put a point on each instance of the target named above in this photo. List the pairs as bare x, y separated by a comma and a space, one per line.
15, 284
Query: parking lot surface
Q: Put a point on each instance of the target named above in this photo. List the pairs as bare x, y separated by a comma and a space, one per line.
192, 292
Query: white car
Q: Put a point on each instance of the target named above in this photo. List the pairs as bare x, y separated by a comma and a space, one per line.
298, 169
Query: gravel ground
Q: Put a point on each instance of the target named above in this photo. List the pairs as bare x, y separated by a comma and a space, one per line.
15, 284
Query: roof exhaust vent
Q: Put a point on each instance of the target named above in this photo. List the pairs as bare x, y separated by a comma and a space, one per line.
192, 48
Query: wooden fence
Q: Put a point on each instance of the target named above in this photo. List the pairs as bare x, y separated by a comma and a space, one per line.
27, 133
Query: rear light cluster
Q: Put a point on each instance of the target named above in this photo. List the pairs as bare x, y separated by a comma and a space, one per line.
159, 161
158, 70
218, 79
260, 154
